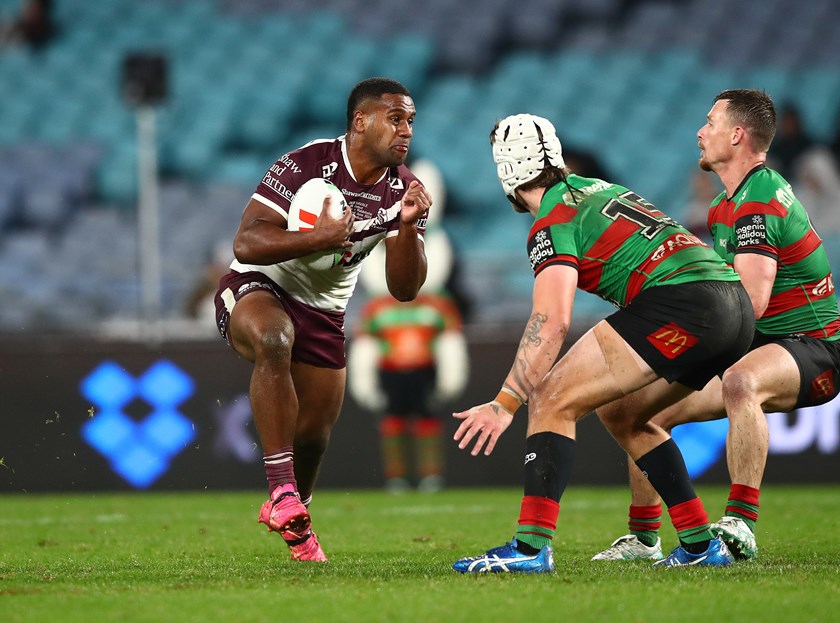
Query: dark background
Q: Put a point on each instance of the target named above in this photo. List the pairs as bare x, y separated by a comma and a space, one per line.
42, 411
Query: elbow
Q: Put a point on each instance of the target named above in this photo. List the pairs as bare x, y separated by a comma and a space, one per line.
561, 331
556, 333
403, 291
404, 295
241, 252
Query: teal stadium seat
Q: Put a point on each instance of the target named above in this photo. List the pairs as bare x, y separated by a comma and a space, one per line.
634, 98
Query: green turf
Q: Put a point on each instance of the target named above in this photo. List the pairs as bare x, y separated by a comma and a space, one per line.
202, 557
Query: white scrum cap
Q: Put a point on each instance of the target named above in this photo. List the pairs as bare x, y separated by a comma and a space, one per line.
524, 145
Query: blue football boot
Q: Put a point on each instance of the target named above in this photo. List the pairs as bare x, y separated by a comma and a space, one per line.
508, 559
716, 555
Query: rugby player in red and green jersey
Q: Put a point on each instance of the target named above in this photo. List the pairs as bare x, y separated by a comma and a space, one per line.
684, 317
759, 227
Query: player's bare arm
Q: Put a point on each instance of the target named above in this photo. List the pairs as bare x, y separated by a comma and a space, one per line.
405, 263
757, 272
263, 238
537, 352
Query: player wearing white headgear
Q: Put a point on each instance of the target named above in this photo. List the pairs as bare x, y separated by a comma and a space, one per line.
523, 147
607, 240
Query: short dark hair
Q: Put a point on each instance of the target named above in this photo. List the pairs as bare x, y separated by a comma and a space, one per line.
754, 110
372, 88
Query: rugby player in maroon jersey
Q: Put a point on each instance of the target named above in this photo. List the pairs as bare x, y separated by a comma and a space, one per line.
285, 314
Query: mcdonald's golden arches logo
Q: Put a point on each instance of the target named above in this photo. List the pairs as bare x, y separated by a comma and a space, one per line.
822, 386
672, 340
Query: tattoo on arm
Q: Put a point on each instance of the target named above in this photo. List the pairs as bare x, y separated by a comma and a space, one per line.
531, 339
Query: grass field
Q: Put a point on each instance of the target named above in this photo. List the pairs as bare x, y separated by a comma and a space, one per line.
202, 557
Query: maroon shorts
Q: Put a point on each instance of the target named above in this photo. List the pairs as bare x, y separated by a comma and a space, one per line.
319, 334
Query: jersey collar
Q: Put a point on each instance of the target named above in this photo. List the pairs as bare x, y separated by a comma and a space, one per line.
755, 169
343, 140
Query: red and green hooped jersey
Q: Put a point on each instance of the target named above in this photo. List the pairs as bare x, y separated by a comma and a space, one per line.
620, 243
765, 217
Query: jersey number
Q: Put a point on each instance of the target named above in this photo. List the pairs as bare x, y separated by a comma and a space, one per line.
635, 209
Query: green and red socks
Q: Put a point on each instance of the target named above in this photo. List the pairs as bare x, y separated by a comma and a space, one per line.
548, 466
644, 522
393, 431
665, 469
537, 522
743, 504
428, 447
692, 525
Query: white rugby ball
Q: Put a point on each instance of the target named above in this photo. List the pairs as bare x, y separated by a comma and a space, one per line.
308, 202
305, 209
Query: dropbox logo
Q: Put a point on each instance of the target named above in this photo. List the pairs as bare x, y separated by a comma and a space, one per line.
139, 451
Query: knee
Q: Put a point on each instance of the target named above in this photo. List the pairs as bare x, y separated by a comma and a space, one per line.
739, 386
668, 419
621, 428
613, 418
274, 344
546, 408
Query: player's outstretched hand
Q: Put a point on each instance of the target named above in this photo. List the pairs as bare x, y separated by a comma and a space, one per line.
488, 421
414, 203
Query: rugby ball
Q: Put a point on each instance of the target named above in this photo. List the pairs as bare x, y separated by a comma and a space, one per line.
308, 202
305, 209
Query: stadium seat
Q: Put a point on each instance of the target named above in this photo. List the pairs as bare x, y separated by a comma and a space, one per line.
634, 98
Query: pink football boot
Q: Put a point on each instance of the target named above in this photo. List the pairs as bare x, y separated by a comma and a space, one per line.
283, 512
307, 549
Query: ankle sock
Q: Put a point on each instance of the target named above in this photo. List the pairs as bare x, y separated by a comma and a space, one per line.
537, 523
548, 465
743, 504
692, 525
280, 468
644, 522
665, 468
393, 433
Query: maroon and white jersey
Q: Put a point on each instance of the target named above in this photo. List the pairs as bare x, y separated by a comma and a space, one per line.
376, 208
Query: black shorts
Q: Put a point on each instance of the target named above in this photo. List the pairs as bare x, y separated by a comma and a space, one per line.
319, 334
690, 332
818, 362
408, 391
